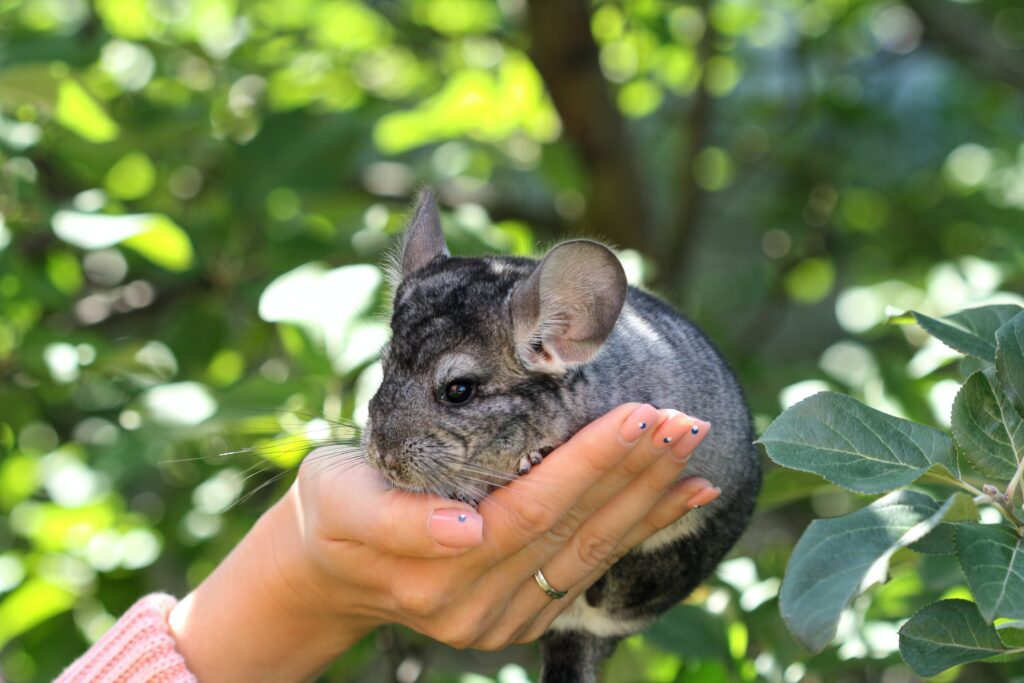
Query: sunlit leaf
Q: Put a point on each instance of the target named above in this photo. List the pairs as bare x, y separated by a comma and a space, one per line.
163, 242
32, 603
77, 111
153, 235
835, 558
131, 177
942, 539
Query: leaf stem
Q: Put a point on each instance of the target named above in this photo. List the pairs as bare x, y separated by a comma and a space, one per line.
1011, 490
1006, 508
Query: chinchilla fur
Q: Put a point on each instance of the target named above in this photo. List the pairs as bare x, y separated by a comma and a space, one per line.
543, 348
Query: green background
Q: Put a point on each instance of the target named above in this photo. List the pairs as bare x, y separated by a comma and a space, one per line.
195, 196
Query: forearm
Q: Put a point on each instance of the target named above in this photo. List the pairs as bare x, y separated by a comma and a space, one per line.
251, 619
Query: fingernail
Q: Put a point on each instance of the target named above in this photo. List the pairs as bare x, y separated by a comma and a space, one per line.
703, 497
639, 421
691, 438
457, 528
672, 431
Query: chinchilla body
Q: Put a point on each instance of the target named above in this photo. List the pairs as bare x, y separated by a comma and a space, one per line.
495, 360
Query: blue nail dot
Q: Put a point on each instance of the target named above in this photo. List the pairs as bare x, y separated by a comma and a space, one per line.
462, 517
643, 425
667, 439
695, 429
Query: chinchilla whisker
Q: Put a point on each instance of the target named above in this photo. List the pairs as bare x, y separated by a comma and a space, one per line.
487, 483
337, 461
501, 476
275, 414
287, 446
259, 488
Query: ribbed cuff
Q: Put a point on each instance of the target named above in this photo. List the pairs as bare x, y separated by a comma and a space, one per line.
137, 649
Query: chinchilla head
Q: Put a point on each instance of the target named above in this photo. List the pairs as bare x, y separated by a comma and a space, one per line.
484, 358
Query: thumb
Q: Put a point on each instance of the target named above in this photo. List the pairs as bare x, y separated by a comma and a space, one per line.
359, 505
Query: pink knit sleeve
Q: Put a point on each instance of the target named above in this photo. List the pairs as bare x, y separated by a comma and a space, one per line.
137, 649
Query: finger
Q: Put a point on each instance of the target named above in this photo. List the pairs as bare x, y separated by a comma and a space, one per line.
525, 510
357, 504
684, 496
655, 468
599, 542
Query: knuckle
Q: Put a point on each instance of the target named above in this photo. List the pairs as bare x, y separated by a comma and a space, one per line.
534, 519
564, 528
594, 548
560, 533
459, 635
538, 629
418, 599
491, 643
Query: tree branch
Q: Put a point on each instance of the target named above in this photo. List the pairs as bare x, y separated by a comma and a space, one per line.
566, 56
674, 260
960, 32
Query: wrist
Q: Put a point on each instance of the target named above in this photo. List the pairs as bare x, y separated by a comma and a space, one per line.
261, 613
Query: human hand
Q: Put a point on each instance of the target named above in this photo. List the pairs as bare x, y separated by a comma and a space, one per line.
349, 553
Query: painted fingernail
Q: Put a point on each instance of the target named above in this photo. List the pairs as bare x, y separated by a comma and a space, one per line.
691, 438
703, 497
457, 528
638, 422
672, 430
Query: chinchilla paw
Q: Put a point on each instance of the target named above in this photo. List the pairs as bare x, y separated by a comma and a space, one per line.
524, 465
536, 458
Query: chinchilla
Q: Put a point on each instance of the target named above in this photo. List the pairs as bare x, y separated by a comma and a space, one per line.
494, 361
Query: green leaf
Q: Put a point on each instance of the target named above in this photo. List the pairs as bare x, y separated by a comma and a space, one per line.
945, 634
942, 539
1010, 360
855, 446
689, 631
783, 486
163, 243
991, 558
32, 603
837, 558
77, 111
152, 235
971, 331
989, 432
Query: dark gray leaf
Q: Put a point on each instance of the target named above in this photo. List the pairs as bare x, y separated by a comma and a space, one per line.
1010, 361
988, 430
945, 634
971, 331
855, 446
991, 558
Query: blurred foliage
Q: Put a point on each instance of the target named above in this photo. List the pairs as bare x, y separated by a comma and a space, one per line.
194, 195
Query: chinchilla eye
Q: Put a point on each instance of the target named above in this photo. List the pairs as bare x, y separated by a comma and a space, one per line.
458, 391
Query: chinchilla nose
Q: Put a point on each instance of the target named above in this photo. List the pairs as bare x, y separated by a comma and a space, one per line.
389, 446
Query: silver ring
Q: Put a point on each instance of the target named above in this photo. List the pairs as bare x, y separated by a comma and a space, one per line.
547, 587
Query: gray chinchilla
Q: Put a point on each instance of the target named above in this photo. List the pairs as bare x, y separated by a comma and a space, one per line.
494, 361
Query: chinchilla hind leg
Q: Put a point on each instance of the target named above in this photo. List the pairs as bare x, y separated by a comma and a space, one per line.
574, 656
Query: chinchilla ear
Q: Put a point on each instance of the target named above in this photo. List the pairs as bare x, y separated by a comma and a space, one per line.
567, 307
423, 240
